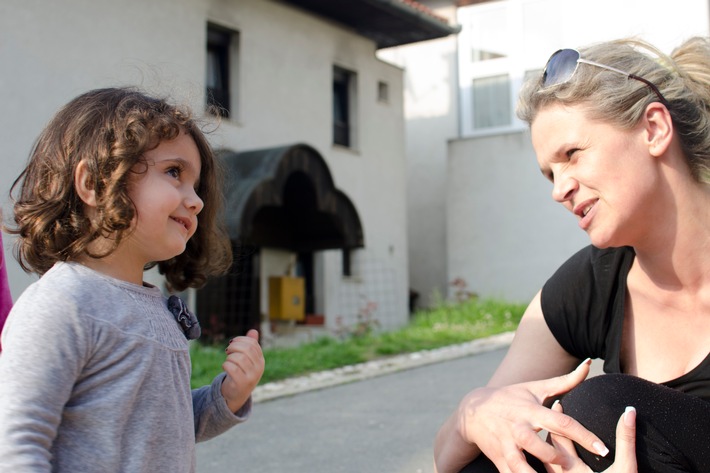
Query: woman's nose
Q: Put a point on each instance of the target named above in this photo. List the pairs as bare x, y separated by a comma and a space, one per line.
564, 188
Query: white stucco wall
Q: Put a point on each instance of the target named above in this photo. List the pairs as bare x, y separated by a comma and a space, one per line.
506, 233
50, 52
431, 110
502, 232
279, 42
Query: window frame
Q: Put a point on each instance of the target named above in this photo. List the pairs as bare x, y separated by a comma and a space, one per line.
344, 107
473, 68
222, 46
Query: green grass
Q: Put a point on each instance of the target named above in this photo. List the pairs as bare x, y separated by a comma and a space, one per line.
446, 325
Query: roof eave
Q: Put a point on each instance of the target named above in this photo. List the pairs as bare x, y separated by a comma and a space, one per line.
387, 22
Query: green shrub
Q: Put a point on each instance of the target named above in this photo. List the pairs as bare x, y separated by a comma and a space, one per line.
445, 325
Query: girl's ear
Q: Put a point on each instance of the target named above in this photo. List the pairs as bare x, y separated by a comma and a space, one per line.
658, 127
83, 184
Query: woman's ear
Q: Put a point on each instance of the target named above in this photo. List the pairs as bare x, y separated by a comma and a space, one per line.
84, 185
658, 128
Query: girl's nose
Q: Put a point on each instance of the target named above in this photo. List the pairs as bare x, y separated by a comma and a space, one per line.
564, 188
193, 201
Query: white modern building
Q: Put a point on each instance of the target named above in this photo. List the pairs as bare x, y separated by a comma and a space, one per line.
388, 156
311, 128
478, 209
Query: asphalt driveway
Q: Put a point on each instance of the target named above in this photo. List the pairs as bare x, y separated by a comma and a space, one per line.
384, 424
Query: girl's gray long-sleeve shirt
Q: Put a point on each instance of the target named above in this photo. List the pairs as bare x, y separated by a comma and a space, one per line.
95, 376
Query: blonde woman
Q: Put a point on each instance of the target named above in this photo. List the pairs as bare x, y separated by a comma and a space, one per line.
622, 132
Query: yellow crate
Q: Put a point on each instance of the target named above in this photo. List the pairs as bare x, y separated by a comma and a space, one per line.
286, 298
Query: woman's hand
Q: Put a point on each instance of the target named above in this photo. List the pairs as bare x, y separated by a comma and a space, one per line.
244, 367
624, 461
504, 421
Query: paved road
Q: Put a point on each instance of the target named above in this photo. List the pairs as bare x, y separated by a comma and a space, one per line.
380, 425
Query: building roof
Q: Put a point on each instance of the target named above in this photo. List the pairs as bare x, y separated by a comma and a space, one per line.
285, 197
387, 22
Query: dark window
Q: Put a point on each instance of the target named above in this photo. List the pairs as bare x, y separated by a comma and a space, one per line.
347, 263
342, 84
229, 304
383, 91
304, 269
217, 80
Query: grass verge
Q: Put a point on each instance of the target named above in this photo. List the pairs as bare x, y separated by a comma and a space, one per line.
446, 325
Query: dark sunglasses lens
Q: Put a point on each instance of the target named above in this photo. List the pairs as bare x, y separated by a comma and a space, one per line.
560, 67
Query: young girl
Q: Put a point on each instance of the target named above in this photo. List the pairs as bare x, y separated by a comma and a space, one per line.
95, 365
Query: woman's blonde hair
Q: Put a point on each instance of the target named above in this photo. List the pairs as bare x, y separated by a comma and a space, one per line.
683, 78
110, 130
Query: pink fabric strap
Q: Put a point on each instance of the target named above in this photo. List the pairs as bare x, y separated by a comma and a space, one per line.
5, 297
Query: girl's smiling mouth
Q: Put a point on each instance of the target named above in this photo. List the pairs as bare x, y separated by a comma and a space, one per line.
184, 222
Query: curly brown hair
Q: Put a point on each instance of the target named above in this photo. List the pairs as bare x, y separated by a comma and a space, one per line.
110, 130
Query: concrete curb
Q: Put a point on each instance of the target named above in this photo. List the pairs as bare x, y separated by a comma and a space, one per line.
348, 374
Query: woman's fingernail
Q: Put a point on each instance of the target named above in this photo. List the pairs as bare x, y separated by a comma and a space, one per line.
630, 416
600, 448
585, 362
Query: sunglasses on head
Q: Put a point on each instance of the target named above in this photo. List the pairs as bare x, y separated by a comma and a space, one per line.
563, 64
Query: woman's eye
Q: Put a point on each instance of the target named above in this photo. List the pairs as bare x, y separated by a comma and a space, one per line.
571, 152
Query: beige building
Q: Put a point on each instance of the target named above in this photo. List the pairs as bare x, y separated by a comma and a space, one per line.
312, 130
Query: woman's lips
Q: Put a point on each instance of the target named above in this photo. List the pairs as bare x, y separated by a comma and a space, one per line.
585, 212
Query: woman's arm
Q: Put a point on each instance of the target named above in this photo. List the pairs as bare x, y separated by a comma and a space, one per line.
504, 417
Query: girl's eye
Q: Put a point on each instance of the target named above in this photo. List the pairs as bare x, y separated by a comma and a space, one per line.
173, 172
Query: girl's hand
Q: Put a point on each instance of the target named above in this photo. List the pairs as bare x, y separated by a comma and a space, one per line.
504, 421
244, 367
625, 460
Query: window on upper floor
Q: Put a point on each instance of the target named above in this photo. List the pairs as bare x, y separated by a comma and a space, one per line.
221, 70
500, 43
491, 101
383, 92
485, 75
344, 107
